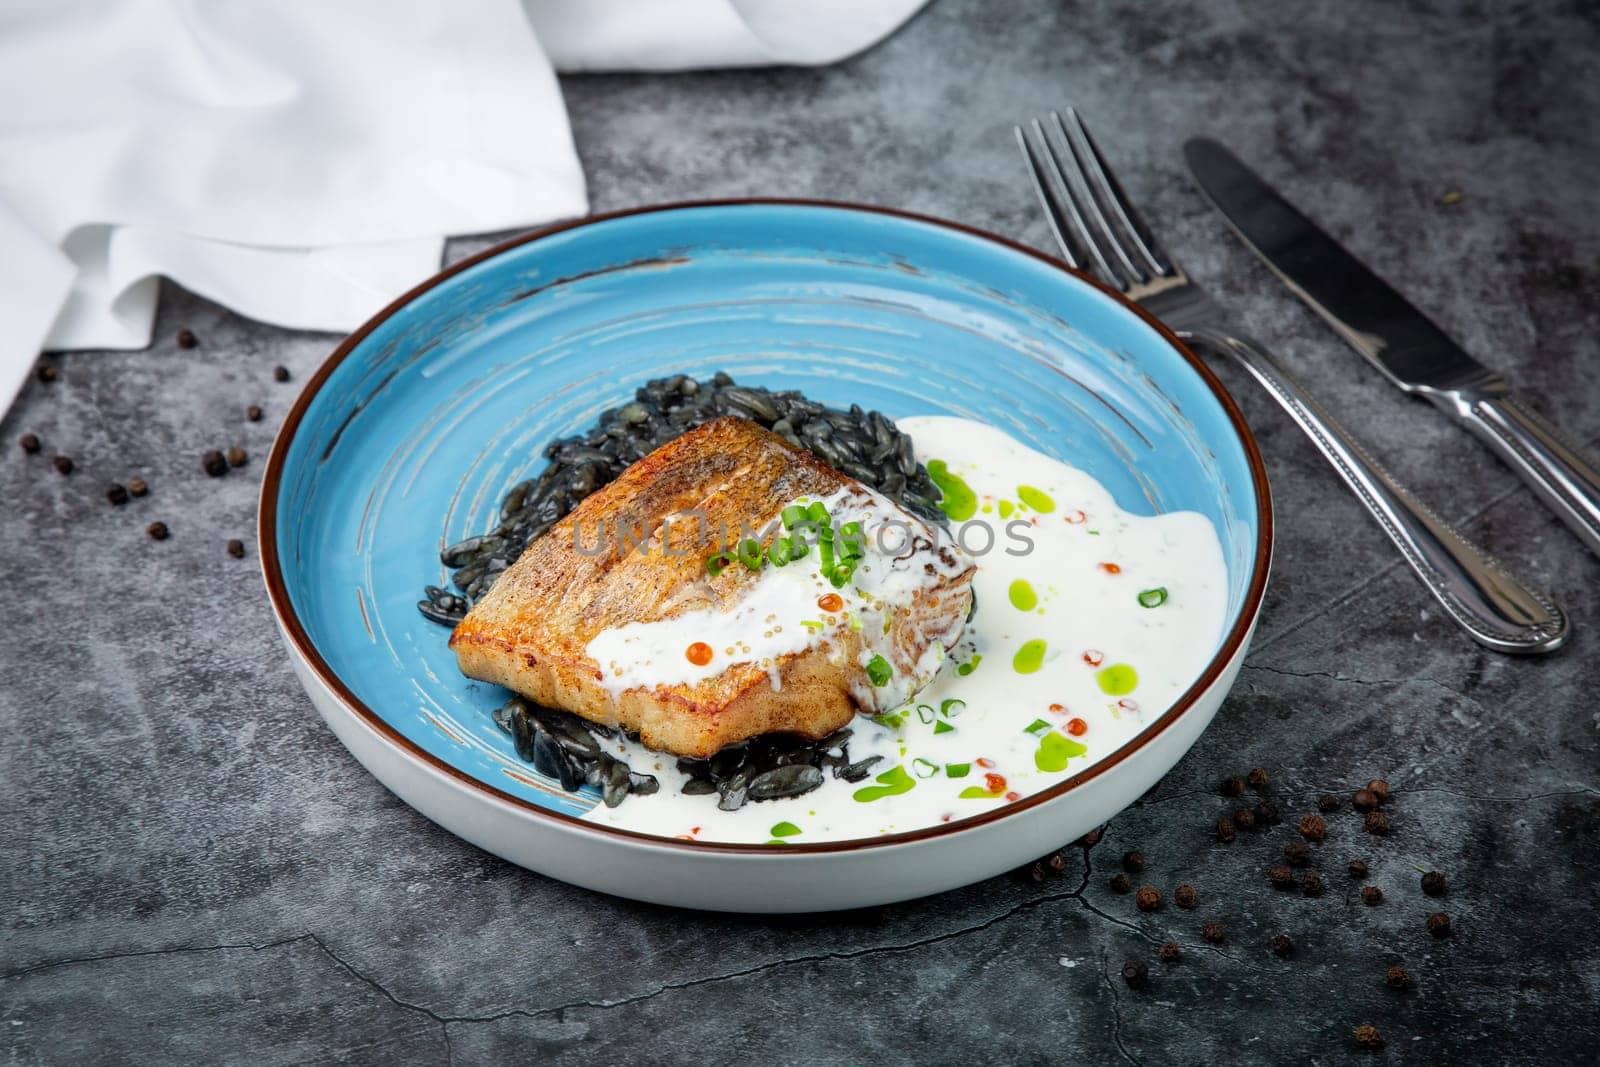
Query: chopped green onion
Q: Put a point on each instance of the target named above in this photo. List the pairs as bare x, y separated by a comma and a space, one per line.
825, 549
841, 573
924, 768
850, 539
779, 551
952, 707
750, 554
819, 515
925, 713
1153, 598
1037, 728
716, 562
942, 727
956, 770
793, 514
811, 624
784, 829
878, 671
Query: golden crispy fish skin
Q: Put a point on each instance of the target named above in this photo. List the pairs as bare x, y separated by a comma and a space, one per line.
530, 631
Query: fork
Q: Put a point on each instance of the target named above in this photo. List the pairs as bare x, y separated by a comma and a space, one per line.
1100, 232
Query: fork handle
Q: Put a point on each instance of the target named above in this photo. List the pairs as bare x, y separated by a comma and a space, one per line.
1498, 611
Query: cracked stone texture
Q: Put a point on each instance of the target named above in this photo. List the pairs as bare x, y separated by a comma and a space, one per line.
193, 869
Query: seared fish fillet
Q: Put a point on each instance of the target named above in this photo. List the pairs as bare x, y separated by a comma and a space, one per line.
592, 620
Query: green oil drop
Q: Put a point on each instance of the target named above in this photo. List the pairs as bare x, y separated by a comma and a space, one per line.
958, 500
1030, 657
894, 781
1117, 680
1023, 598
1035, 499
1055, 750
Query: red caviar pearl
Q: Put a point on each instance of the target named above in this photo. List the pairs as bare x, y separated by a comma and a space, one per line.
1094, 657
1058, 708
1013, 796
984, 761
699, 653
1075, 518
1128, 705
1111, 568
1077, 727
995, 782
830, 602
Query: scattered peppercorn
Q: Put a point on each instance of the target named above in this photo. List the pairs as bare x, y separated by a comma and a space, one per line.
1281, 877
1171, 953
236, 550
1267, 813
1371, 896
136, 487
157, 531
117, 495
63, 464
1056, 861
1148, 898
1368, 1039
213, 464
1225, 830
1091, 839
1120, 883
1311, 884
280, 373
1358, 868
1396, 977
1434, 884
253, 413
1376, 822
1364, 800
1133, 862
1379, 788
1213, 932
30, 443
47, 372
1282, 946
1244, 819
1312, 828
1257, 778
1439, 924
187, 339
1233, 786
237, 457
1298, 853
1185, 896
1327, 802
1136, 974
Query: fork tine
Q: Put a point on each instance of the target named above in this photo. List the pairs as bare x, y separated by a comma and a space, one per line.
1105, 181
1047, 200
1091, 206
1067, 204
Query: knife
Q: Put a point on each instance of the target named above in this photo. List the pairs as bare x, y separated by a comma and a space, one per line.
1399, 340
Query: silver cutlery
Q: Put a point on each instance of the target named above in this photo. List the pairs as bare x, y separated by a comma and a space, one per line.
1399, 340
1099, 230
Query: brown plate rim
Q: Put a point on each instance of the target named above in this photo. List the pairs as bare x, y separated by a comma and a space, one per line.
283, 607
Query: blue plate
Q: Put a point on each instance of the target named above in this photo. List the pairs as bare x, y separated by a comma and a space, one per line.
416, 427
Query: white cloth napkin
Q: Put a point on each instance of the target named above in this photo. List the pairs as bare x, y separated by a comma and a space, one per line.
302, 163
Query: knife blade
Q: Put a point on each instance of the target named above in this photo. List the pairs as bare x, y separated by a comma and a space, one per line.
1402, 342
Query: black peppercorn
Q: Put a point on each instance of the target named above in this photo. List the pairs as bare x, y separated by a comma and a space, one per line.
1185, 896
1397, 978
117, 495
1171, 953
1225, 830
1311, 884
1371, 896
1358, 868
237, 457
157, 531
280, 373
213, 464
1267, 813
1233, 786
1090, 839
236, 550
1434, 884
1439, 924
187, 339
1281, 877
1212, 931
1136, 974
1120, 883
63, 464
1133, 862
136, 487
1368, 1039
1056, 861
253, 413
1148, 898
1312, 828
1376, 822
47, 372
1327, 802
1298, 853
1257, 778
1379, 789
1364, 800
1282, 946
1244, 819
30, 443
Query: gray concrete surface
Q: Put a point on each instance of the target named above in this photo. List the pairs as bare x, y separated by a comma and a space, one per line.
193, 870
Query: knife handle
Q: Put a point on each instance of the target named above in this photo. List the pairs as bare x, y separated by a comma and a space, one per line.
1558, 472
1478, 593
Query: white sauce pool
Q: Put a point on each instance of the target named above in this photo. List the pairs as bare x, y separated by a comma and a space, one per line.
1038, 688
